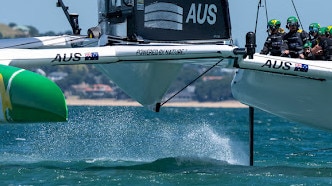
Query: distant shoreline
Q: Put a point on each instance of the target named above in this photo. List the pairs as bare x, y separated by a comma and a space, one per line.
114, 102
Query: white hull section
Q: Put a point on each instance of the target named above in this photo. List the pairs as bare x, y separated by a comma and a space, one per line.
300, 99
116, 54
144, 72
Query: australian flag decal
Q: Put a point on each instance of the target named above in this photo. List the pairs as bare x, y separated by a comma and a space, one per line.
301, 67
91, 56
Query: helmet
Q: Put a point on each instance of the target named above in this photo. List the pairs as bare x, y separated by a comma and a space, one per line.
307, 45
314, 28
329, 28
322, 31
292, 21
273, 24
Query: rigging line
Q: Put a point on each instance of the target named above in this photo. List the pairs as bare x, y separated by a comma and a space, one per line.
297, 14
258, 6
206, 71
267, 17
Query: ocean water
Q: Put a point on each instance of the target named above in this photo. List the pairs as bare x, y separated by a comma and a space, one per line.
178, 146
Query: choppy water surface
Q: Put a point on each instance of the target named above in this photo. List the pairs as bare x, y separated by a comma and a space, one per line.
178, 146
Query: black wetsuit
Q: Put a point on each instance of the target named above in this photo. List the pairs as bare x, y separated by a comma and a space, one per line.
274, 44
295, 41
326, 45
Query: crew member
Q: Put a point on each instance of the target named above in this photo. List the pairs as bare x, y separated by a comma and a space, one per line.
294, 39
307, 51
327, 47
274, 44
313, 33
318, 49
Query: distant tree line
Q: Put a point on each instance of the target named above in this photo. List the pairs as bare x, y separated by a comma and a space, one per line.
205, 90
28, 31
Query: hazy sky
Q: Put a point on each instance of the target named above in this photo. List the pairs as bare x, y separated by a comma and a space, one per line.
45, 16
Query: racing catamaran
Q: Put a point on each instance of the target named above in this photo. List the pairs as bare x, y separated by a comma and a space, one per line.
142, 45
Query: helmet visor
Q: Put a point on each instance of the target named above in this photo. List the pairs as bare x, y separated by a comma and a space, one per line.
273, 27
292, 24
313, 29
